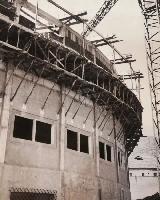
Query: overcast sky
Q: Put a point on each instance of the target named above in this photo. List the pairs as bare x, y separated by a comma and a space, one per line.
126, 21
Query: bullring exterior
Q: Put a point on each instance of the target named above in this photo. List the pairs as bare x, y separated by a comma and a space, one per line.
67, 122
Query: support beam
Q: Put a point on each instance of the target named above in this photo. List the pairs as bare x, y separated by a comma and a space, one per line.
73, 17
102, 40
4, 114
131, 76
66, 95
23, 78
62, 134
110, 42
74, 23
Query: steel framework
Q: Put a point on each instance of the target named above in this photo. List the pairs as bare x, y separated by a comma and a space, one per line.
106, 7
151, 12
54, 60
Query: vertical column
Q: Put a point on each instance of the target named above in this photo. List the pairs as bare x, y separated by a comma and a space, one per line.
62, 144
62, 32
115, 155
94, 53
4, 115
99, 192
18, 4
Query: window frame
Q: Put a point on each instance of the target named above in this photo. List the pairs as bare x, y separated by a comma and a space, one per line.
68, 143
103, 150
80, 142
22, 136
155, 174
106, 143
37, 133
121, 164
107, 157
35, 119
79, 132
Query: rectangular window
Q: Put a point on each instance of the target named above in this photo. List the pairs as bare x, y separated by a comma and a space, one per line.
154, 174
84, 147
72, 140
130, 174
142, 174
101, 150
108, 150
119, 158
43, 132
23, 128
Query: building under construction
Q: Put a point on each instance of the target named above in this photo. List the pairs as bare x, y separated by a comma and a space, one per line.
67, 121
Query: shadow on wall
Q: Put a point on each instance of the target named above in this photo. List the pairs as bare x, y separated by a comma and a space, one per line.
153, 197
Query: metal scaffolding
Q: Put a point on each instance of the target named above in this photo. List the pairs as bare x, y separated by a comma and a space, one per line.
151, 12
56, 60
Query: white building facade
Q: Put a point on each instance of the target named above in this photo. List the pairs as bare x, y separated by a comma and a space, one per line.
143, 169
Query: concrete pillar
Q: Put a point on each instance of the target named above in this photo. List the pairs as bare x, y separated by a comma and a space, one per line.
94, 53
116, 158
62, 32
96, 152
62, 144
18, 4
4, 115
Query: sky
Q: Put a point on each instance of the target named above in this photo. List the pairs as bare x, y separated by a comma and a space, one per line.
125, 20
147, 151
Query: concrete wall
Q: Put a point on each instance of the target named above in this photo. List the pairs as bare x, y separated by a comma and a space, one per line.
75, 175
143, 186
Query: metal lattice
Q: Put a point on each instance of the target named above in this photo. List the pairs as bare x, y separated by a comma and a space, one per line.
151, 12
32, 194
106, 7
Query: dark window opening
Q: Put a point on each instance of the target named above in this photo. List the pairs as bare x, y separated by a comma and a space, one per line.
23, 128
119, 158
72, 140
142, 174
154, 174
100, 194
122, 194
26, 22
108, 149
43, 132
130, 174
84, 147
101, 150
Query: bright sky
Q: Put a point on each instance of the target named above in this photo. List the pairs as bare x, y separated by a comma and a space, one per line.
126, 22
